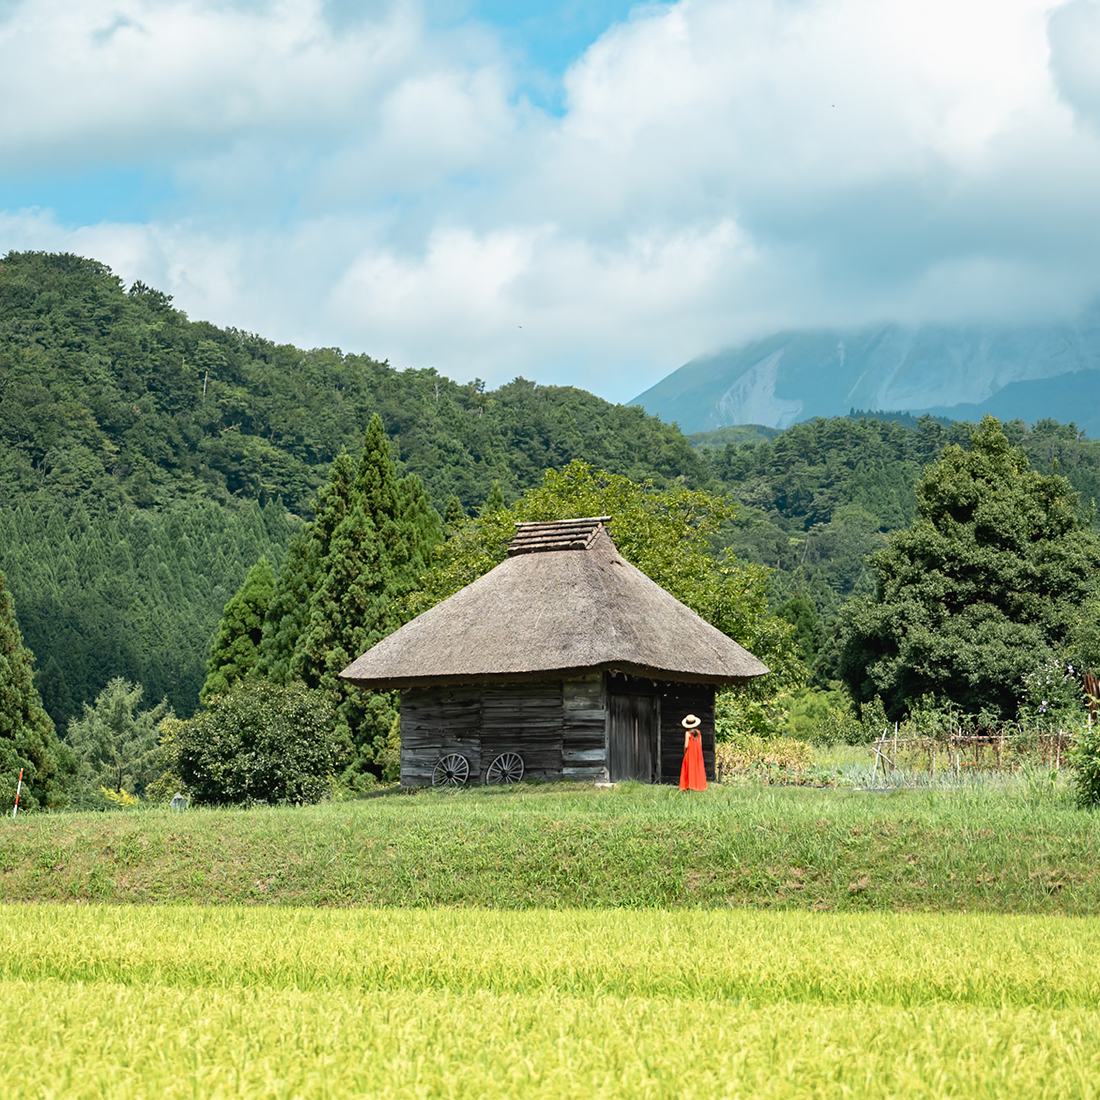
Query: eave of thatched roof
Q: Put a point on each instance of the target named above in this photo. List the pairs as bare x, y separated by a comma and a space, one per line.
556, 611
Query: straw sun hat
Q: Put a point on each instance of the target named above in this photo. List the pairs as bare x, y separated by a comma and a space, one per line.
691, 722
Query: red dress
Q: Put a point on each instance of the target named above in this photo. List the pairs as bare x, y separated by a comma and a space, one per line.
693, 773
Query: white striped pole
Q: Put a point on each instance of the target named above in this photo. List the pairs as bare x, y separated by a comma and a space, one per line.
18, 788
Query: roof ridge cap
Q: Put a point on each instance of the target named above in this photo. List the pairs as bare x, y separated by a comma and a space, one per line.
538, 536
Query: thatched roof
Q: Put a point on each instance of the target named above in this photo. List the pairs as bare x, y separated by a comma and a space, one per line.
564, 600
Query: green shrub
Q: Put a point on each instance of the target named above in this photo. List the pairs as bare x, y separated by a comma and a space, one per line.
1085, 760
260, 742
825, 717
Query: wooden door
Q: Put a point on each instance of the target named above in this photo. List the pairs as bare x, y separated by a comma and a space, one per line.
632, 749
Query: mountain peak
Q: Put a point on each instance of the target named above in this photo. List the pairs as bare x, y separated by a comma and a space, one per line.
947, 370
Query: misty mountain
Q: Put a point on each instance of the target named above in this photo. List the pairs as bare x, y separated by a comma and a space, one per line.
963, 372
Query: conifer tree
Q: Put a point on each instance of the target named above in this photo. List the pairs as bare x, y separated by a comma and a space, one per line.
287, 618
453, 517
115, 742
373, 560
333, 503
288, 611
422, 531
27, 737
494, 502
345, 604
376, 480
236, 650
345, 583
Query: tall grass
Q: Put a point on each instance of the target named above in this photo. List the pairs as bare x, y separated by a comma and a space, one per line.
200, 1002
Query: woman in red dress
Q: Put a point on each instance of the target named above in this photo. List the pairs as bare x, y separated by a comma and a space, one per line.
693, 772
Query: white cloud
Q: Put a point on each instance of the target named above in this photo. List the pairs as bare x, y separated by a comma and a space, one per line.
722, 168
1075, 56
123, 78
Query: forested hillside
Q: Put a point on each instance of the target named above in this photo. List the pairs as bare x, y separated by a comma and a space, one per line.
148, 461
117, 398
817, 498
131, 594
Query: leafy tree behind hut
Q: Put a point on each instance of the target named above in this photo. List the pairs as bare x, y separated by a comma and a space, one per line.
669, 534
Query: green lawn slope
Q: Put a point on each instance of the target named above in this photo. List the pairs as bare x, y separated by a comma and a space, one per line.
1020, 848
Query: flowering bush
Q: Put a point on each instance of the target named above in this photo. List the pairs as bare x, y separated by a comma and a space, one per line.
1052, 695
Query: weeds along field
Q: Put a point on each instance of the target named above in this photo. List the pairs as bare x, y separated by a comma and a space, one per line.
1016, 847
188, 1001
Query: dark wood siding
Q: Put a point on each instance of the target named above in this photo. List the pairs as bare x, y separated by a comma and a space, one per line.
435, 722
632, 737
584, 736
524, 718
559, 728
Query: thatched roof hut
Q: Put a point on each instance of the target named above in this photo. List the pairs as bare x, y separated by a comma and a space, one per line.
560, 628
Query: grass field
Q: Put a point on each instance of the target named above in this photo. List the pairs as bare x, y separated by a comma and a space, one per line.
559, 942
1016, 847
226, 1002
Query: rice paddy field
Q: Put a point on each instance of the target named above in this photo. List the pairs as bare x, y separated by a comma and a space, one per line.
212, 1002
545, 942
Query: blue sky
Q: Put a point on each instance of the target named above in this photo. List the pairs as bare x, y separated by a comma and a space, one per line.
581, 193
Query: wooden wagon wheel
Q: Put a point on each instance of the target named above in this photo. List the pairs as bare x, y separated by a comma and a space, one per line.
451, 771
506, 768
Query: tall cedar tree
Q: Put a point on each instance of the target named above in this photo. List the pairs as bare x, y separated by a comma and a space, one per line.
287, 612
288, 615
454, 517
980, 591
345, 586
236, 650
27, 737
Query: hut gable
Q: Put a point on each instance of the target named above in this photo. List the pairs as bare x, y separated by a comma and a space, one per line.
563, 601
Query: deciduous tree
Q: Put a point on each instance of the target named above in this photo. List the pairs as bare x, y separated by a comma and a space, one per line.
984, 587
260, 742
668, 534
115, 741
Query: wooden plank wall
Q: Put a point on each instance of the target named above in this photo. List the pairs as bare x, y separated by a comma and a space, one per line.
584, 734
437, 721
560, 729
678, 701
524, 718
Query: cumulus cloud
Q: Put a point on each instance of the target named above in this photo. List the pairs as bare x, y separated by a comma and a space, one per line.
121, 75
1075, 56
720, 169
